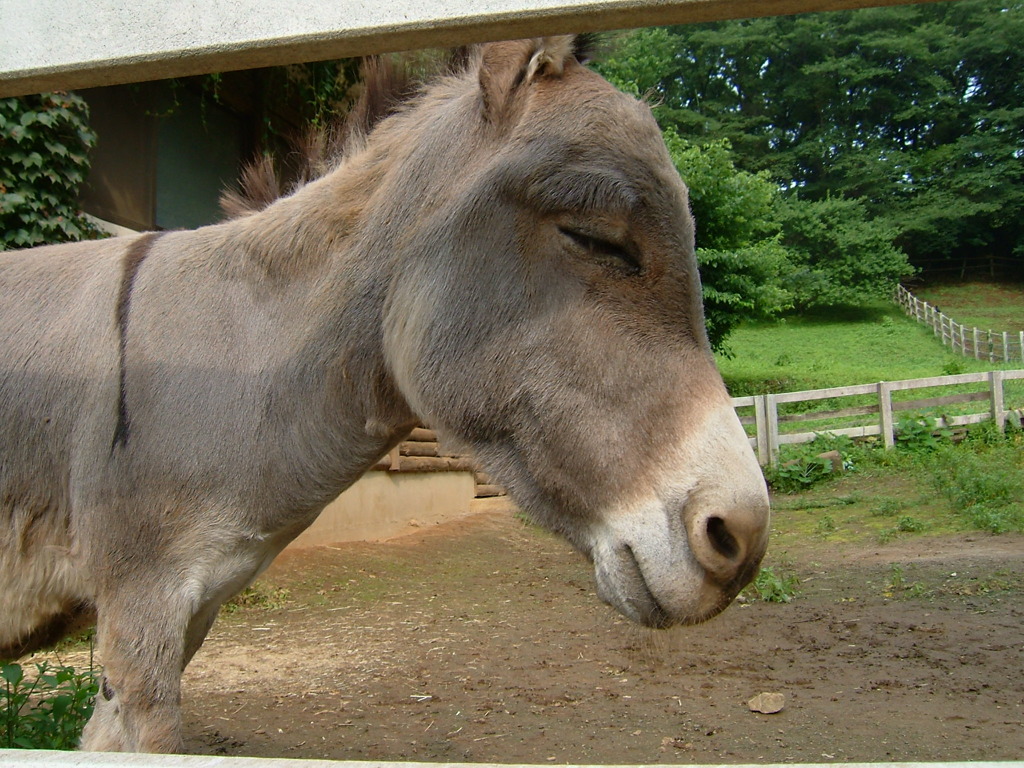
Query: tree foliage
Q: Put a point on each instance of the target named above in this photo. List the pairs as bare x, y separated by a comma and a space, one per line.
44, 144
838, 256
916, 112
740, 258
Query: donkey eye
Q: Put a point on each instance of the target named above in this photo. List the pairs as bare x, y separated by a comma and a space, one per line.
604, 250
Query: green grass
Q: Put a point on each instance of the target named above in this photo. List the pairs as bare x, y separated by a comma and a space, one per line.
837, 348
849, 346
989, 306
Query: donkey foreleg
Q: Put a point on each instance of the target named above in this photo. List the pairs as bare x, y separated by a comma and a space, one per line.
141, 641
148, 636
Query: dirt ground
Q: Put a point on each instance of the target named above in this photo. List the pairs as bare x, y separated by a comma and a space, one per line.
483, 641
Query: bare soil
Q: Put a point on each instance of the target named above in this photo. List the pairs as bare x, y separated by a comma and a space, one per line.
483, 641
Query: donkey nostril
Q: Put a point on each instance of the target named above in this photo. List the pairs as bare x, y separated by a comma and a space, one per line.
724, 542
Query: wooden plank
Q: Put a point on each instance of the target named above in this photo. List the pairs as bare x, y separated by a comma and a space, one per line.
772, 418
862, 410
932, 402
996, 392
422, 435
761, 426
823, 394
393, 459
435, 464
489, 491
959, 421
885, 413
805, 437
419, 449
939, 381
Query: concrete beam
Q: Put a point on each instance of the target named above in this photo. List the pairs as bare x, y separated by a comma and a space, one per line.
66, 44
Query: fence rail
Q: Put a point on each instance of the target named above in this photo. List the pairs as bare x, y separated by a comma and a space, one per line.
994, 346
766, 418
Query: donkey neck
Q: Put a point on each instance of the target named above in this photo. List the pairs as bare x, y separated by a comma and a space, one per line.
306, 257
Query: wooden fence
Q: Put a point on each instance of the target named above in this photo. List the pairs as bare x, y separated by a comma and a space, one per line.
878, 412
971, 342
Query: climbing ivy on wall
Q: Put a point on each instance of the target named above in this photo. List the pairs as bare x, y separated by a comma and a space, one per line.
44, 157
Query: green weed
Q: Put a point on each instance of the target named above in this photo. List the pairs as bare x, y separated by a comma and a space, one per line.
772, 587
798, 474
919, 434
802, 466
826, 525
908, 524
985, 487
47, 710
898, 586
888, 507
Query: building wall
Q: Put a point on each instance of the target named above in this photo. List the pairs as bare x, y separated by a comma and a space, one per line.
382, 505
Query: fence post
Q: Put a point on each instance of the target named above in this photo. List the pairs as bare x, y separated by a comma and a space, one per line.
885, 413
995, 386
1006, 347
772, 409
761, 429
976, 356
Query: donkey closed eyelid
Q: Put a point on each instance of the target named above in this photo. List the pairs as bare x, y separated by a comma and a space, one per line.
604, 250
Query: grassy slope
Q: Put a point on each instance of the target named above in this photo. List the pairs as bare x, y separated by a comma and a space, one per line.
836, 348
999, 307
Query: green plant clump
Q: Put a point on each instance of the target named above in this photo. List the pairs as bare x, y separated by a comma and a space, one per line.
772, 587
919, 434
986, 487
803, 466
48, 711
44, 157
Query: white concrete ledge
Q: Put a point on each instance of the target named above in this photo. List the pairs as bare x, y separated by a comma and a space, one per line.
46, 759
65, 44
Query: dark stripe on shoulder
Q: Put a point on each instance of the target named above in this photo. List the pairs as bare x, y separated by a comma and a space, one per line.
133, 259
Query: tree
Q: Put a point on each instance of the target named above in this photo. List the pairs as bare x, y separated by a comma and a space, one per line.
917, 112
839, 257
741, 262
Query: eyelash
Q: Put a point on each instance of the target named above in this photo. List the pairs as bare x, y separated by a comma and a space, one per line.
604, 249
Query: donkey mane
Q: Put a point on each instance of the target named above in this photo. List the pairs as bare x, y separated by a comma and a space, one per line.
388, 86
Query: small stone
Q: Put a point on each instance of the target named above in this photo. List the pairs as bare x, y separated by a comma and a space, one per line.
767, 703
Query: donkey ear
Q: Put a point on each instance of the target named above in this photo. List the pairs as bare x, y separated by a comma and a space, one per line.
505, 67
550, 56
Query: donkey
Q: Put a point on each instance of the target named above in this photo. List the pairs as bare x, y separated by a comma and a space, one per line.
509, 258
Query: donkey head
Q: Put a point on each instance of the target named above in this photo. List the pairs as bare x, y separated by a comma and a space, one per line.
546, 311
